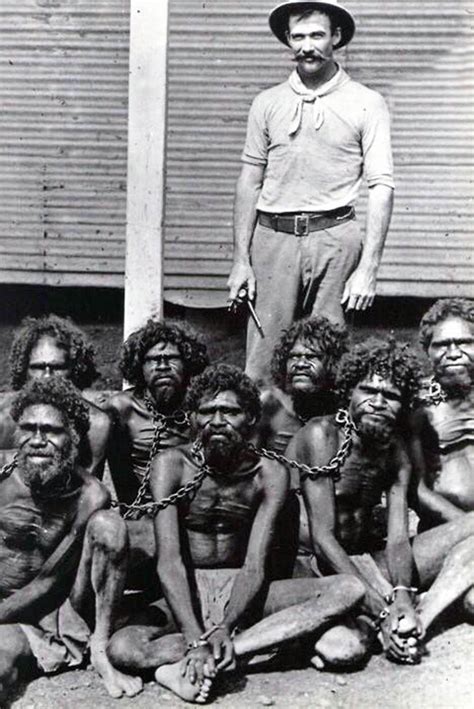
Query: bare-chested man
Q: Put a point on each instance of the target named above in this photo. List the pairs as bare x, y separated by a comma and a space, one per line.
377, 380
53, 346
303, 368
54, 573
213, 548
443, 442
158, 360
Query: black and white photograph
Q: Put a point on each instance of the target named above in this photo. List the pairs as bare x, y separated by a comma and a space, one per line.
236, 354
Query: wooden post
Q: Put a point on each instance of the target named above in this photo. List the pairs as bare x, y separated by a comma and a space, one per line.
146, 161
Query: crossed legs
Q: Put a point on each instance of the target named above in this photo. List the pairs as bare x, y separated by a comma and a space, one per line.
293, 608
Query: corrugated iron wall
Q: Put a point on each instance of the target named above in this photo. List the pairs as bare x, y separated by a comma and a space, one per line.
63, 141
63, 128
417, 53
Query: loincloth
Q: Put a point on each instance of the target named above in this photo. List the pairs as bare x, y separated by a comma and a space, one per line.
214, 587
60, 640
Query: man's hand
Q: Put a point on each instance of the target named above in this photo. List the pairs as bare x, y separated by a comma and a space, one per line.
359, 292
197, 664
222, 648
402, 632
241, 275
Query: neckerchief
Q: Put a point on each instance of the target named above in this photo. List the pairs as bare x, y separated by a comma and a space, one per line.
306, 95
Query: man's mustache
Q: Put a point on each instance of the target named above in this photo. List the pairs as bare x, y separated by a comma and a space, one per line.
298, 56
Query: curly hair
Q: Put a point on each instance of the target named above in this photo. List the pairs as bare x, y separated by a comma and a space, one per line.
57, 392
441, 310
224, 377
135, 347
67, 335
330, 338
386, 358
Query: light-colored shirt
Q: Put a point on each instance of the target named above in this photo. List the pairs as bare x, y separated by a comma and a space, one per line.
319, 169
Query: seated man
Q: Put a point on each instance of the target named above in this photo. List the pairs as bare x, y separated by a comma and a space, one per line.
217, 505
158, 360
50, 346
50, 566
303, 368
377, 380
442, 445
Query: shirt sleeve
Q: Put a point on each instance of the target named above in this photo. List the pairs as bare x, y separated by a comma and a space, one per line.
256, 143
376, 144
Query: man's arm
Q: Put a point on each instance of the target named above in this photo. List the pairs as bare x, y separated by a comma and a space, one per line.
359, 291
314, 446
250, 579
248, 189
53, 583
403, 620
166, 477
118, 449
437, 507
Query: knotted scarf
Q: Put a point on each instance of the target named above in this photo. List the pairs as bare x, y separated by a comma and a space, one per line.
306, 95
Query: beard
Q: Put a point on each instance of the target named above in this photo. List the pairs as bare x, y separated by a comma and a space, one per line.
221, 453
456, 383
168, 394
377, 431
53, 474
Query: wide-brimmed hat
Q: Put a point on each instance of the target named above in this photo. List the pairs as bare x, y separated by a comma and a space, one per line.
279, 16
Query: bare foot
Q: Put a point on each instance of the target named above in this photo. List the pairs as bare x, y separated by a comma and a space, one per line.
116, 683
170, 676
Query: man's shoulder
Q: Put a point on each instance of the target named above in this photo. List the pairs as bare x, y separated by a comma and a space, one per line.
271, 94
273, 399
93, 491
122, 401
362, 92
319, 426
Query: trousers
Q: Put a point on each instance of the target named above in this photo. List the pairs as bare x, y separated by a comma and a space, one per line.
297, 276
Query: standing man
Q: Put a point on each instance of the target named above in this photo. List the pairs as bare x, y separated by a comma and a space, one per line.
304, 367
298, 248
53, 346
443, 431
213, 550
377, 380
59, 563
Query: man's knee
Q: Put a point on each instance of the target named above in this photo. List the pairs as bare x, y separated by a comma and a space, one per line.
468, 603
122, 645
107, 530
343, 646
348, 587
15, 656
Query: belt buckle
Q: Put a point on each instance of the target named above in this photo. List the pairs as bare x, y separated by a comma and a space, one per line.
301, 225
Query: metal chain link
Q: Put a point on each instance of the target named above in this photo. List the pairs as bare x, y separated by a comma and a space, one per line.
435, 396
335, 464
8, 468
161, 422
332, 468
152, 508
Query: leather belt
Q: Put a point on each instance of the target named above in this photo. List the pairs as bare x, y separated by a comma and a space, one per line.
302, 223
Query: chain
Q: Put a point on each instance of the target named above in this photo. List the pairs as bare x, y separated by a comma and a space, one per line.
161, 422
335, 464
152, 508
435, 396
8, 468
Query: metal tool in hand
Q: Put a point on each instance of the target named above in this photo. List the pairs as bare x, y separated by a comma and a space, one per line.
243, 297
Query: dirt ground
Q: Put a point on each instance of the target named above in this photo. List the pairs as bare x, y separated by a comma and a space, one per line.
444, 680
